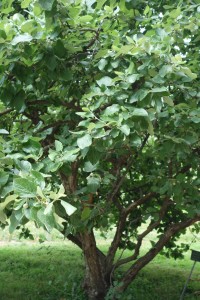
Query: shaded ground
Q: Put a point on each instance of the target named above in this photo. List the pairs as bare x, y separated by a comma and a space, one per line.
53, 271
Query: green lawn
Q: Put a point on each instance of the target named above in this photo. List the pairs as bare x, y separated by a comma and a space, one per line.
54, 270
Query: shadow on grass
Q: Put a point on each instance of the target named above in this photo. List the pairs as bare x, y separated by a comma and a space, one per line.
55, 272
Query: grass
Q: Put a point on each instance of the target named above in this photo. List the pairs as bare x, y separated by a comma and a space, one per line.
54, 271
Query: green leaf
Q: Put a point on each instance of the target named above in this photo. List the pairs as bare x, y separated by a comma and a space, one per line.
110, 110
166, 69
102, 63
150, 128
48, 209
3, 217
84, 141
85, 19
24, 187
70, 209
138, 96
100, 3
93, 183
105, 81
46, 219
139, 112
132, 78
24, 165
59, 49
125, 129
15, 220
159, 90
28, 26
25, 3
85, 213
58, 145
46, 4
52, 155
4, 131
22, 38
8, 199
69, 157
89, 167
3, 178
168, 100
31, 146
38, 179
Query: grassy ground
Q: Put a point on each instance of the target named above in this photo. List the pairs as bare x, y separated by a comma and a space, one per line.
54, 270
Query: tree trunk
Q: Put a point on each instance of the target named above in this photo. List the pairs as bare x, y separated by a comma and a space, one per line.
95, 284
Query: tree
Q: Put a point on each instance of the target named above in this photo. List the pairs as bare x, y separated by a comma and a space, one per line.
100, 126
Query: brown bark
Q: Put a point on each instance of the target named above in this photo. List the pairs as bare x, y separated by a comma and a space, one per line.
121, 225
95, 284
144, 260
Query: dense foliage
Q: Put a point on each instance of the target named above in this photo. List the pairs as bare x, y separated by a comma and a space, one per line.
100, 125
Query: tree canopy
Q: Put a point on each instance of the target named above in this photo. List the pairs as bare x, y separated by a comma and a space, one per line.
99, 128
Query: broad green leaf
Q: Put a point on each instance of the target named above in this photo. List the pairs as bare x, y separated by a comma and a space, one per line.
25, 3
46, 219
38, 179
140, 112
166, 69
85, 213
150, 128
59, 49
15, 220
31, 146
102, 63
58, 145
53, 166
3, 178
40, 193
48, 209
8, 199
125, 129
168, 100
93, 183
85, 19
105, 81
4, 131
46, 4
24, 188
3, 217
84, 141
70, 155
132, 78
24, 165
195, 119
159, 90
22, 38
52, 154
89, 167
110, 110
138, 96
28, 26
188, 72
70, 209
100, 3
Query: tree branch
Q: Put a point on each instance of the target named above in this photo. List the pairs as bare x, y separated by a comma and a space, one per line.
140, 201
121, 178
140, 238
121, 225
144, 260
53, 125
